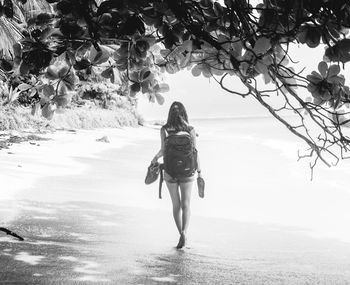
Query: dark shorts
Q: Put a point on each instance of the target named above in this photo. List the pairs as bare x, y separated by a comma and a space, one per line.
170, 179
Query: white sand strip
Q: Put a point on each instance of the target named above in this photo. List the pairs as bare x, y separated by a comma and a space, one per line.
25, 163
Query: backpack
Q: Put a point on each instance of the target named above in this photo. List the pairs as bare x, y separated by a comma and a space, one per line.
180, 154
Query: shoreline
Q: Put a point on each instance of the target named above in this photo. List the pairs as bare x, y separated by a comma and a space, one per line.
68, 156
88, 217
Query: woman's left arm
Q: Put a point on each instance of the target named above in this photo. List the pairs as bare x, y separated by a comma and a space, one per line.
159, 154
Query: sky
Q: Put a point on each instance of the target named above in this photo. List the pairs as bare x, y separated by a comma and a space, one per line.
204, 98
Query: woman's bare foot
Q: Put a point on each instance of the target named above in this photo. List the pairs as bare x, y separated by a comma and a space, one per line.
182, 241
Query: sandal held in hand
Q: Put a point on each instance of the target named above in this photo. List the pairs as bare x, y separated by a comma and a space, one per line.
201, 186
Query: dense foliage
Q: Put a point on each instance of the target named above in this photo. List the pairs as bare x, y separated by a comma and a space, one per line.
137, 40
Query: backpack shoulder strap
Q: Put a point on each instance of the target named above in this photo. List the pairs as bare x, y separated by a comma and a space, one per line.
160, 181
166, 132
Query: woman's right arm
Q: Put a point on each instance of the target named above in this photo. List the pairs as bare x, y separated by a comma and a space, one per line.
159, 154
194, 137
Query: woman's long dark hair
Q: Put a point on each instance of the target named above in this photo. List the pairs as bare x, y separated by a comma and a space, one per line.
177, 118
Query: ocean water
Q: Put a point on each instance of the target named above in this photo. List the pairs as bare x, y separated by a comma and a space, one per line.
253, 174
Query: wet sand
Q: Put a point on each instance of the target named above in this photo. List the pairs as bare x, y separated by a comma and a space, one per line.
91, 243
97, 223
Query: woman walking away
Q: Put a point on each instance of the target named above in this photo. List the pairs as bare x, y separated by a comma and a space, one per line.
178, 149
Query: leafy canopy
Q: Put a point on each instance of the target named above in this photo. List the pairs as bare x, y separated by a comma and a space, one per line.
138, 40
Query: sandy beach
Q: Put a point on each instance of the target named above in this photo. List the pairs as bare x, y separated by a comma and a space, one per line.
88, 218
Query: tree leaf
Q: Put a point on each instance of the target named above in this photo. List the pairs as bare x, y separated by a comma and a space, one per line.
49, 31
122, 63
6, 65
52, 72
82, 64
187, 45
63, 98
228, 3
17, 49
132, 93
172, 68
159, 98
136, 87
33, 91
48, 111
24, 68
218, 9
145, 74
24, 87
134, 76
322, 67
339, 52
302, 35
244, 67
314, 77
262, 45
151, 98
164, 53
107, 72
163, 87
48, 90
83, 50
62, 89
112, 77
185, 60
70, 81
313, 37
261, 67
145, 87
63, 71
7, 8
196, 70
333, 70
206, 70
101, 56
61, 101
267, 78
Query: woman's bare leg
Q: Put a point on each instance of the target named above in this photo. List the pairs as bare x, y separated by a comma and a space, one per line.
175, 199
186, 189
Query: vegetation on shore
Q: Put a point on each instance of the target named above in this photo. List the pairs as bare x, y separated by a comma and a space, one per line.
83, 117
17, 118
90, 118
